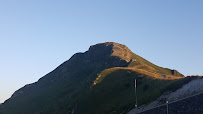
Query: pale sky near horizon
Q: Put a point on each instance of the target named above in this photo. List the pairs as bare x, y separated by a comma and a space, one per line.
38, 35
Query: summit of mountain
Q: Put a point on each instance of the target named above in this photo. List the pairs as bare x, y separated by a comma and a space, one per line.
135, 62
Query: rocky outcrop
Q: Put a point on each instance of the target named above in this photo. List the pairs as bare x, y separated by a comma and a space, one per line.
176, 73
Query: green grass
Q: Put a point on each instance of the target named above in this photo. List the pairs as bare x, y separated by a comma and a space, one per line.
114, 93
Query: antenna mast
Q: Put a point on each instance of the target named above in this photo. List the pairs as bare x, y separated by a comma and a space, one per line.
135, 95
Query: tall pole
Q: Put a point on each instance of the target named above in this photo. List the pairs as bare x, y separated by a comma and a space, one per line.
135, 95
167, 107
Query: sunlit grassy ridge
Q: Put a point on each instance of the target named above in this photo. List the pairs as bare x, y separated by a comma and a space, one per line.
144, 70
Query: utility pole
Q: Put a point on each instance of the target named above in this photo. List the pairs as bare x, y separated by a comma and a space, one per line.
135, 95
166, 106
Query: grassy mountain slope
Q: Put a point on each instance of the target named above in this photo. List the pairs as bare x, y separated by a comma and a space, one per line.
100, 80
114, 90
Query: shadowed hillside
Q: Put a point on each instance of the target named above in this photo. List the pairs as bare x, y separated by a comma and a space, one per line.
100, 80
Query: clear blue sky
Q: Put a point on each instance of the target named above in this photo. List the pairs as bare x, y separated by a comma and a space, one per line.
38, 35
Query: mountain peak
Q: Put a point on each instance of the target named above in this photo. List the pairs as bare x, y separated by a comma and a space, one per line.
110, 43
133, 60
118, 50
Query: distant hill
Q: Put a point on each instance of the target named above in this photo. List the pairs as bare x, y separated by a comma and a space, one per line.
98, 81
